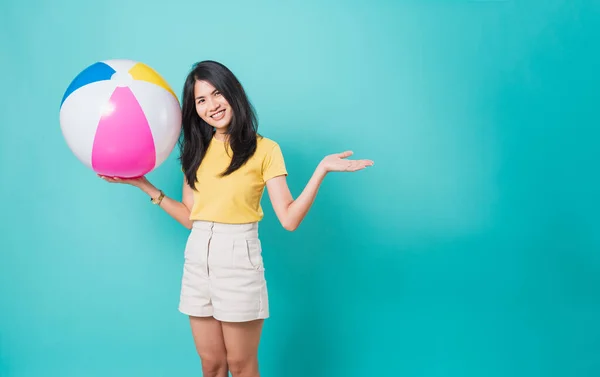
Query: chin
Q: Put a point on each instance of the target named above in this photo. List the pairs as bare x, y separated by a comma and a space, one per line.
220, 127
223, 125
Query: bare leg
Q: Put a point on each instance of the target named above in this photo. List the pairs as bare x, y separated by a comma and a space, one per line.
208, 338
241, 341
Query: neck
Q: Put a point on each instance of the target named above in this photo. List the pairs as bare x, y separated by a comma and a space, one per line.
221, 136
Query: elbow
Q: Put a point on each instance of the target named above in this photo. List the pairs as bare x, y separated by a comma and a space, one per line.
289, 226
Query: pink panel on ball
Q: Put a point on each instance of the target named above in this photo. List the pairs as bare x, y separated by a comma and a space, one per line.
123, 145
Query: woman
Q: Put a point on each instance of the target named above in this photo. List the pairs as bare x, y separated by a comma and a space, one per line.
226, 166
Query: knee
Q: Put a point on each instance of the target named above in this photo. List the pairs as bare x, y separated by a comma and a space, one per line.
247, 367
214, 367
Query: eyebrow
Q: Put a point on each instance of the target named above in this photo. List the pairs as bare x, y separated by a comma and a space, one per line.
213, 92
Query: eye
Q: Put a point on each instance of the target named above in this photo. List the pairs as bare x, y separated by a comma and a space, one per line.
200, 101
217, 93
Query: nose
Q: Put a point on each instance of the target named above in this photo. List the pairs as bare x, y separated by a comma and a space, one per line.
213, 105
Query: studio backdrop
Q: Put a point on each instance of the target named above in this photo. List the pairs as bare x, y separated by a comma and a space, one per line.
471, 248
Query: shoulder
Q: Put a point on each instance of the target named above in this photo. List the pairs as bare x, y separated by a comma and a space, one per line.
265, 142
265, 145
271, 158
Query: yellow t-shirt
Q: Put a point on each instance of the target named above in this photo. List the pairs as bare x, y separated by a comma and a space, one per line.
235, 198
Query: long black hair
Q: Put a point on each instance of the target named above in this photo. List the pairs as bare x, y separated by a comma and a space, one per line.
197, 134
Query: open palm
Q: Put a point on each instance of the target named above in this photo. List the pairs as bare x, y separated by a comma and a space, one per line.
137, 182
340, 162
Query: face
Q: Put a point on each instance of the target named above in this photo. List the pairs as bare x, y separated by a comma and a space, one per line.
211, 106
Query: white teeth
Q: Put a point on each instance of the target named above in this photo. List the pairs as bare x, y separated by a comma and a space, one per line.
218, 115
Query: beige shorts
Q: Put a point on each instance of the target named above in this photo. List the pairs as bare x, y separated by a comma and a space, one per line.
223, 273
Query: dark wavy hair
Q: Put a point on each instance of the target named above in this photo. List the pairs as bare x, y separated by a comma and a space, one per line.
197, 134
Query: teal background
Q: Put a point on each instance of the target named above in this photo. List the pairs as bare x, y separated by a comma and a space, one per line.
471, 247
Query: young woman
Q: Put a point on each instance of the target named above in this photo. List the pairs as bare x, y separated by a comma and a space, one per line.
226, 166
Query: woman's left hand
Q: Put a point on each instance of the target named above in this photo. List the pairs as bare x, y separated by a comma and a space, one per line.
339, 162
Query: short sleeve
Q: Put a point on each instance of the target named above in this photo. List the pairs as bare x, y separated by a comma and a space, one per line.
273, 164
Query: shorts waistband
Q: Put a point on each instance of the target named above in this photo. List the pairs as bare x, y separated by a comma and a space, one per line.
237, 230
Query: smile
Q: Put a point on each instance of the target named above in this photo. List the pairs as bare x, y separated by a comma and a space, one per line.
219, 115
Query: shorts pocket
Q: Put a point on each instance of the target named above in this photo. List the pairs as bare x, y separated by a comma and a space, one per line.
248, 254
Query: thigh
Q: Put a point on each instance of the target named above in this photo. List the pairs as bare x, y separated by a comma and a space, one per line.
242, 340
208, 338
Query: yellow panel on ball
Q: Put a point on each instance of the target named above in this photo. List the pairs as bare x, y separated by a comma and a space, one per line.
141, 71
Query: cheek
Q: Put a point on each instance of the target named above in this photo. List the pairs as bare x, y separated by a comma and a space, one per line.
202, 115
200, 111
223, 102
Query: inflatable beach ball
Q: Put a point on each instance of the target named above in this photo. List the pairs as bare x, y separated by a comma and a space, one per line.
120, 118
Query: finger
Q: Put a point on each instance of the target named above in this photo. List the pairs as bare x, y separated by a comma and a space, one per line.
359, 165
107, 179
352, 166
345, 154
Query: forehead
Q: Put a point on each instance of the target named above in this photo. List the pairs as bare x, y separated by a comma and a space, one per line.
203, 88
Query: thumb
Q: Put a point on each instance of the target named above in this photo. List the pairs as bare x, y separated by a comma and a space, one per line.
345, 154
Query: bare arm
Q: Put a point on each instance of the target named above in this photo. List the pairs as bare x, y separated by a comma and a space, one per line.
290, 211
180, 211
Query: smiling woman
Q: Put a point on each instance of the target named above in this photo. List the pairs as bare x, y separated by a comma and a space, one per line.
207, 98
227, 166
471, 250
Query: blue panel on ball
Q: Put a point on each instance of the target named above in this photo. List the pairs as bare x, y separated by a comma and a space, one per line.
95, 72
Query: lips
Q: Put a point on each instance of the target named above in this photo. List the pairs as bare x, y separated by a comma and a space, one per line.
218, 116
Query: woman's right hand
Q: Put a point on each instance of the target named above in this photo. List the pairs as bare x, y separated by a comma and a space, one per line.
137, 182
142, 183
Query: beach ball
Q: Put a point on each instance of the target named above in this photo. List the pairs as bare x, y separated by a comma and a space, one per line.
120, 118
